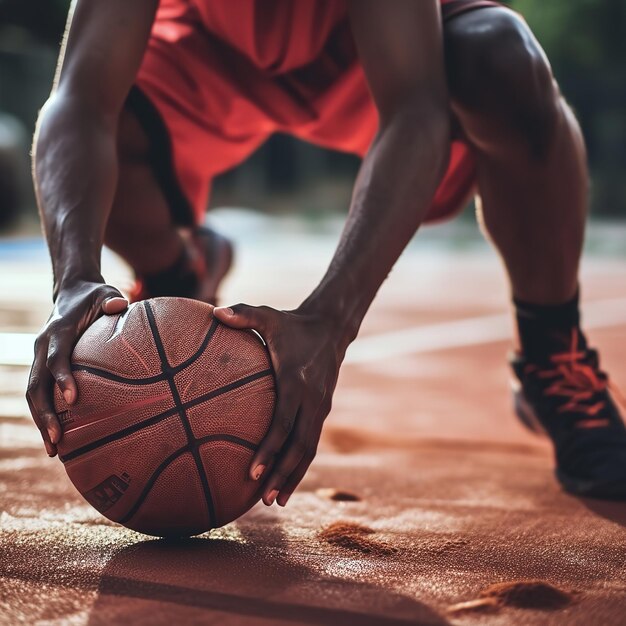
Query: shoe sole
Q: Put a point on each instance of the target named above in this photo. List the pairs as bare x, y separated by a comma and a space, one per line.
576, 486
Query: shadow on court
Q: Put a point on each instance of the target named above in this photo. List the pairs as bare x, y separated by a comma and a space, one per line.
235, 580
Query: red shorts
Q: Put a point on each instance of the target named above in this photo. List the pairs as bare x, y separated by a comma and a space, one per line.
218, 78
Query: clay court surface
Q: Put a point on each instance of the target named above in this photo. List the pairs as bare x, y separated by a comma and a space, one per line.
432, 491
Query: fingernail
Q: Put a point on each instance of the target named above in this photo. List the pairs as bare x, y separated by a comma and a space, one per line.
226, 309
67, 394
272, 497
49, 449
52, 434
258, 471
284, 501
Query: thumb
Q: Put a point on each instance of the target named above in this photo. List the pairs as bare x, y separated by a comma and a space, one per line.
112, 301
242, 316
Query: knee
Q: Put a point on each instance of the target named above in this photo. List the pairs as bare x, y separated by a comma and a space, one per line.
496, 65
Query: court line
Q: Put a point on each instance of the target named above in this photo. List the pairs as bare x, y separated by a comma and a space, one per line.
17, 348
471, 331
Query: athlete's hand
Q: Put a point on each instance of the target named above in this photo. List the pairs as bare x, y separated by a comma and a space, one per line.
75, 309
306, 355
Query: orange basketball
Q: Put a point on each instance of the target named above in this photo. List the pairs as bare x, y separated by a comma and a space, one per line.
172, 405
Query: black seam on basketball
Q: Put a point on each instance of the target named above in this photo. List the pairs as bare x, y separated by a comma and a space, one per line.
236, 384
182, 414
170, 459
165, 366
155, 419
230, 438
120, 434
153, 478
201, 349
151, 379
118, 379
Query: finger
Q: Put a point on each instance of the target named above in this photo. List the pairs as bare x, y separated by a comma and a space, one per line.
38, 396
113, 305
50, 427
294, 452
282, 424
58, 364
243, 316
109, 300
313, 438
294, 480
51, 449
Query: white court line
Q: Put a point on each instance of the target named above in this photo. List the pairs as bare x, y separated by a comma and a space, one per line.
17, 348
468, 332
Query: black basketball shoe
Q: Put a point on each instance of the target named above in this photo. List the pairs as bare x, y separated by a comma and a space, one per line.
568, 397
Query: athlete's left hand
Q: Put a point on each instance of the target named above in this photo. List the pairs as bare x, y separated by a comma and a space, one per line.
306, 352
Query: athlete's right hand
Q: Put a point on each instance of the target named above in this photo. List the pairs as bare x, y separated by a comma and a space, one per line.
76, 307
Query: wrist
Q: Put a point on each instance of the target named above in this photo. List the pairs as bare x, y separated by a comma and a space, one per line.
75, 256
71, 280
342, 313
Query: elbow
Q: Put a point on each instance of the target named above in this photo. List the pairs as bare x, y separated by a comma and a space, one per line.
66, 128
70, 114
51, 122
68, 109
44, 129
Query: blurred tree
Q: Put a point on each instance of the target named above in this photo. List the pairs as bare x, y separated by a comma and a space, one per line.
582, 34
586, 43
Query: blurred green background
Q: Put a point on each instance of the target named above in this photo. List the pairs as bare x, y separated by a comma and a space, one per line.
586, 43
584, 39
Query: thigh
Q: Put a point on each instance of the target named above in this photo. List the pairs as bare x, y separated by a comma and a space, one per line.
194, 96
141, 205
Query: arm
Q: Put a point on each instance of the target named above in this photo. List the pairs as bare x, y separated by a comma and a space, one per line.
75, 176
401, 49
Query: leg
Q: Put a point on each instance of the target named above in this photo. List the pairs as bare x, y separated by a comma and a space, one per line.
533, 182
140, 228
529, 150
168, 259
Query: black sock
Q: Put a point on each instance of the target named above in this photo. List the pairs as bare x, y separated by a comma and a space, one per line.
547, 329
177, 280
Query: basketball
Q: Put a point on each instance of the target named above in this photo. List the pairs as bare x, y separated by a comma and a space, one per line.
172, 405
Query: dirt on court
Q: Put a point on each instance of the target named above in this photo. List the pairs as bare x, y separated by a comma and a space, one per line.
427, 502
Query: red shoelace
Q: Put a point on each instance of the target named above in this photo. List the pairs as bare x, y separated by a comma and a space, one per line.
577, 381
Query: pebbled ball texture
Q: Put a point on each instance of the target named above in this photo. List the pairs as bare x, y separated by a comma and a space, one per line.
172, 405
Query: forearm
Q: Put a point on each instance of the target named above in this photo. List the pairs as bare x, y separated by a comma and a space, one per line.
75, 174
394, 188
